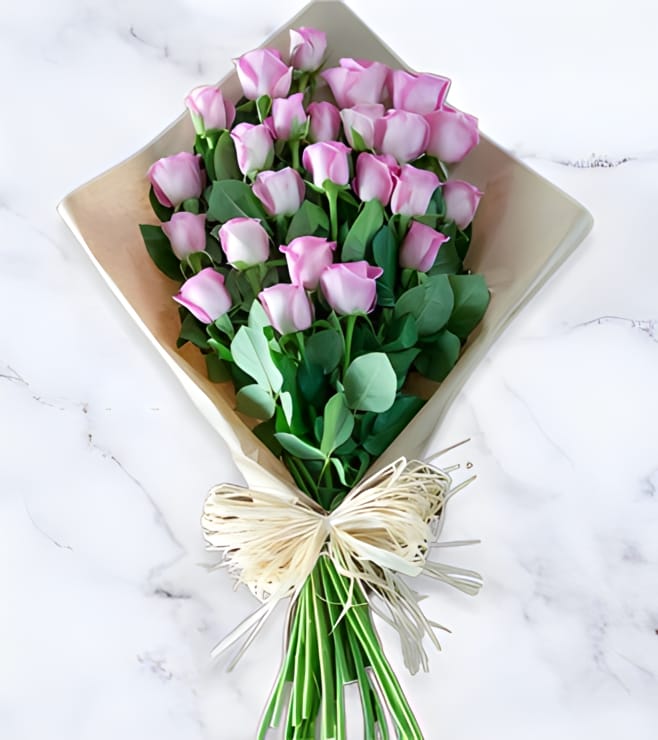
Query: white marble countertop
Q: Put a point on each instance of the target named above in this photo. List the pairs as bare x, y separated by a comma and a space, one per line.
108, 614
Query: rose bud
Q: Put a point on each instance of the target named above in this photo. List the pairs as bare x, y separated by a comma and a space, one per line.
350, 287
417, 93
420, 247
461, 199
307, 256
262, 72
401, 134
205, 296
287, 307
254, 147
412, 190
327, 160
209, 109
176, 178
452, 134
361, 118
186, 233
356, 81
307, 48
325, 121
280, 192
245, 242
374, 177
288, 117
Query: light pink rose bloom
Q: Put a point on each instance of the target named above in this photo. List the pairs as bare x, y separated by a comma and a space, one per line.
280, 192
307, 256
245, 242
374, 177
327, 160
417, 93
287, 307
205, 296
176, 178
186, 233
461, 199
401, 134
453, 134
412, 190
356, 81
350, 287
209, 109
262, 72
420, 247
254, 147
288, 116
361, 118
307, 48
325, 121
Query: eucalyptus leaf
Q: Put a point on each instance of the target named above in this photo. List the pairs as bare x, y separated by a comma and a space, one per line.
325, 348
251, 354
258, 319
309, 220
297, 447
286, 404
471, 301
436, 361
233, 199
430, 304
370, 383
159, 249
338, 424
358, 238
254, 400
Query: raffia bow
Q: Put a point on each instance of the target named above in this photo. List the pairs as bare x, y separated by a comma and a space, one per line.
384, 527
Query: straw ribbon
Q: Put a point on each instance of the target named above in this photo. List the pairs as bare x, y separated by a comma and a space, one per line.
384, 527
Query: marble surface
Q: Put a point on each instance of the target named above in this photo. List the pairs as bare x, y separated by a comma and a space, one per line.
108, 610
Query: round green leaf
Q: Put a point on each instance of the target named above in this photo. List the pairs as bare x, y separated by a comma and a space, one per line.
471, 301
338, 424
255, 401
430, 304
370, 383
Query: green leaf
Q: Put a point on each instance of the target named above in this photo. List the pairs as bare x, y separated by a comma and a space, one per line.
159, 249
224, 160
430, 304
191, 205
311, 381
358, 144
471, 301
309, 220
251, 354
223, 352
390, 424
163, 213
254, 400
447, 260
325, 348
370, 383
257, 317
217, 370
338, 424
401, 362
264, 106
437, 361
192, 330
297, 447
340, 469
401, 333
286, 404
385, 253
358, 238
233, 199
265, 432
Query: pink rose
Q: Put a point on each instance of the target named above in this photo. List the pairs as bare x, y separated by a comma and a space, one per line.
327, 160
280, 192
420, 247
412, 190
262, 72
307, 48
176, 178
186, 233
417, 93
356, 81
287, 307
452, 134
401, 134
325, 121
361, 118
254, 147
307, 256
461, 199
288, 117
374, 177
350, 287
245, 242
209, 109
205, 296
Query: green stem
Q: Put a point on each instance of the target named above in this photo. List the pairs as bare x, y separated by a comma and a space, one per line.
349, 332
325, 656
294, 150
332, 196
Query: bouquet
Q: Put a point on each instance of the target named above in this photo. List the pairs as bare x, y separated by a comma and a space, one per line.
320, 244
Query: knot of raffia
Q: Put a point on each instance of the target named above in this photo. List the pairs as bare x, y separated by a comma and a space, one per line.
383, 528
